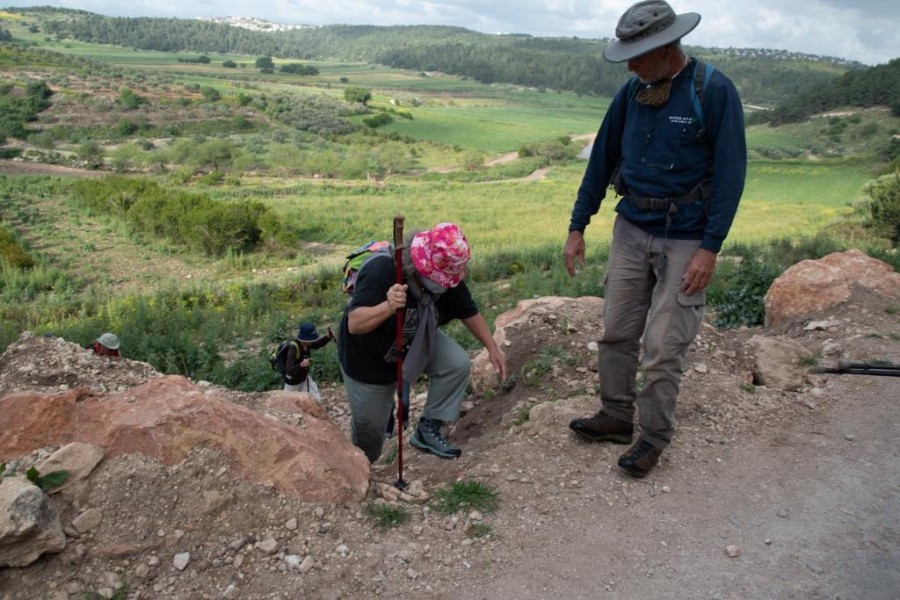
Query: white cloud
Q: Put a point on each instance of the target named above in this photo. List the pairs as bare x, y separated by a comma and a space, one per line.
864, 30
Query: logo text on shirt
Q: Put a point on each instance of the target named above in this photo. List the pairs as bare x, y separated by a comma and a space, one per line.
679, 120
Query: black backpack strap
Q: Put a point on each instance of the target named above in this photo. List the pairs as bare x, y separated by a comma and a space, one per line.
616, 182
702, 73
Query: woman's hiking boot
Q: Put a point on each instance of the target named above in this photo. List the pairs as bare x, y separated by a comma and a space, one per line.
428, 438
603, 428
639, 459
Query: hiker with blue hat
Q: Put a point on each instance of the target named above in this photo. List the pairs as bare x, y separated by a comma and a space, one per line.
297, 377
672, 146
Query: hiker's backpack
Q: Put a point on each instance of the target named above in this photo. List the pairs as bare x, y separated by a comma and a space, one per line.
278, 357
360, 256
702, 72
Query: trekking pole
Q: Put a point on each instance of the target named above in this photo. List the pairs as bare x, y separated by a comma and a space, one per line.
400, 484
859, 368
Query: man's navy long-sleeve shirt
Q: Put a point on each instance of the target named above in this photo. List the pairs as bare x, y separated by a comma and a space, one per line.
664, 155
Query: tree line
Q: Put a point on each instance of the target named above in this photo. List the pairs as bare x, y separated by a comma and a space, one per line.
569, 64
878, 86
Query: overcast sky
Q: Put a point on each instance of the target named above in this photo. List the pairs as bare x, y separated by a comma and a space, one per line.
863, 30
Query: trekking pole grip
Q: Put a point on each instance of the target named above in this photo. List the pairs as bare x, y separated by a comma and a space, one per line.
398, 231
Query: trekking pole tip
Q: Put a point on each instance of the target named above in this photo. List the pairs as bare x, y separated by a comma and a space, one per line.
401, 484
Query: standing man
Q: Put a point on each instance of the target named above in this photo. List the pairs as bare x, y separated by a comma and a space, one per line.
672, 145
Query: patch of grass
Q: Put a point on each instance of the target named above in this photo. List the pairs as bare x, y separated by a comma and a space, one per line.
523, 413
892, 310
391, 455
386, 516
465, 495
534, 370
809, 361
120, 593
749, 388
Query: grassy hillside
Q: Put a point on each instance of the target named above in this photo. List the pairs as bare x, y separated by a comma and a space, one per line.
211, 206
570, 64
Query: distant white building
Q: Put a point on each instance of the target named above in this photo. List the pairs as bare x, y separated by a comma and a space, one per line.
254, 23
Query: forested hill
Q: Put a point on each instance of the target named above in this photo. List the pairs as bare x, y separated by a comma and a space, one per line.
573, 64
878, 86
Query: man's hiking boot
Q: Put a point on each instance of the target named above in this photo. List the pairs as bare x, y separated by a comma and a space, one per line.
639, 459
428, 438
603, 428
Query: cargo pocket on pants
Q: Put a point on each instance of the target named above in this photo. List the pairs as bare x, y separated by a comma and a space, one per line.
698, 299
692, 308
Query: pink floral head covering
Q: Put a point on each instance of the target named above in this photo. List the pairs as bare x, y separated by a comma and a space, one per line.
441, 254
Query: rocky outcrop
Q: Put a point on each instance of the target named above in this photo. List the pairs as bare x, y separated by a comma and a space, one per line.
556, 316
778, 362
166, 418
811, 286
29, 525
45, 363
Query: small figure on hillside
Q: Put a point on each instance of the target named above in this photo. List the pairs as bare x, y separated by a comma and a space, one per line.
432, 294
672, 145
105, 345
297, 377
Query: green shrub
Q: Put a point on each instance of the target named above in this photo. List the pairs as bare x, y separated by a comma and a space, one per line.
130, 100
125, 127
12, 254
192, 220
378, 120
884, 207
741, 302
45, 482
210, 94
357, 94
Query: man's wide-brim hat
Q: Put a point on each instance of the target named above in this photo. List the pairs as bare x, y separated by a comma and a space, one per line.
647, 26
441, 254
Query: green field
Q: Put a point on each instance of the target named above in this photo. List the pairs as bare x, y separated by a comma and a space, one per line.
97, 272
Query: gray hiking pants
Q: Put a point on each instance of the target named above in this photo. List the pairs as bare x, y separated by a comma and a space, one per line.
643, 296
371, 404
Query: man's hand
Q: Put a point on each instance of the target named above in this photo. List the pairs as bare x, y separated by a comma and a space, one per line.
699, 272
330, 334
574, 251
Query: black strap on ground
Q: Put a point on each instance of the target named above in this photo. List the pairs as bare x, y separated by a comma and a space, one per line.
860, 368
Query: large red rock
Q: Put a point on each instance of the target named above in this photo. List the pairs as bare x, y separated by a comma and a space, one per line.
811, 286
167, 417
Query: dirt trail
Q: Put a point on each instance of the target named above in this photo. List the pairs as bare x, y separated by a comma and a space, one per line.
813, 508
